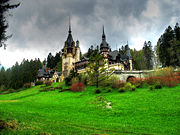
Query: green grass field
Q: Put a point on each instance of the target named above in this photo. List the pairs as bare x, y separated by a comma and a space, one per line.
142, 112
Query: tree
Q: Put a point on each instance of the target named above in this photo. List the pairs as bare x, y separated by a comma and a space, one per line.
148, 54
58, 67
97, 70
52, 61
168, 47
5, 6
138, 59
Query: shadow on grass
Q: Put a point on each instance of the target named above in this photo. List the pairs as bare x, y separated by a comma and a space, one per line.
30, 95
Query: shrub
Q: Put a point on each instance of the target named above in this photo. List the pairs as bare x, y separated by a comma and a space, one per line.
27, 85
11, 90
118, 84
133, 88
83, 79
59, 88
74, 80
12, 124
152, 80
158, 86
178, 79
48, 83
163, 71
73, 73
139, 85
170, 82
122, 89
139, 82
68, 81
2, 88
38, 83
150, 88
77, 87
109, 90
97, 91
47, 89
128, 86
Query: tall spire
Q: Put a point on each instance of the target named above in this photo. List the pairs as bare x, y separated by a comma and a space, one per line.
69, 40
103, 30
69, 25
103, 35
103, 44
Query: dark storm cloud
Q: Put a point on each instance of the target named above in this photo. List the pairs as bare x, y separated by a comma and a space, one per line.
44, 23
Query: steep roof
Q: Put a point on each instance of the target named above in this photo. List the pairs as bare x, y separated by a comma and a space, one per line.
113, 54
69, 41
104, 44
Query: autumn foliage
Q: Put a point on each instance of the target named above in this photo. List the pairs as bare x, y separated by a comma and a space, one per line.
77, 87
168, 80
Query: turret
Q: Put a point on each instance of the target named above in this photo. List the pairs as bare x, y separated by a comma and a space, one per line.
77, 57
104, 46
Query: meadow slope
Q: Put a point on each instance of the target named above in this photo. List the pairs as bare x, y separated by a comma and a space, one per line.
141, 112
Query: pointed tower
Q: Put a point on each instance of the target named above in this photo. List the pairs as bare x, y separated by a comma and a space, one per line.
104, 46
77, 56
69, 53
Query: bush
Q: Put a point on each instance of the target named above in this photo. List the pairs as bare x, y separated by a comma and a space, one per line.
48, 83
27, 85
133, 88
122, 89
77, 87
68, 81
97, 91
59, 88
158, 86
47, 89
118, 84
73, 73
128, 86
38, 83
83, 79
170, 81
152, 80
11, 124
11, 90
139, 85
74, 80
2, 88
109, 90
139, 82
163, 71
150, 88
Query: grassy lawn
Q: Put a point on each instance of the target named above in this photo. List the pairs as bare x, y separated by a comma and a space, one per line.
141, 112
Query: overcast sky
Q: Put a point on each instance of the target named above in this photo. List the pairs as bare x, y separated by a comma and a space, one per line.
41, 26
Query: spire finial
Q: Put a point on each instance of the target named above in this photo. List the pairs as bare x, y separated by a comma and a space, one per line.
103, 29
103, 35
69, 24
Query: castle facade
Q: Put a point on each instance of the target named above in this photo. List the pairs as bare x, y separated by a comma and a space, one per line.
118, 59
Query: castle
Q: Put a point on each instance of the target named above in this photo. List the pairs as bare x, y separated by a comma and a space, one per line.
118, 59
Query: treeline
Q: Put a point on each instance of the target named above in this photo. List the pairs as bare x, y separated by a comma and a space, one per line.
16, 76
27, 72
166, 53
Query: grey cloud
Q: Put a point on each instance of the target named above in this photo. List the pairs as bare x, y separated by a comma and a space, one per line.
44, 23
